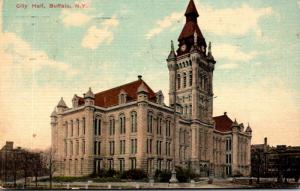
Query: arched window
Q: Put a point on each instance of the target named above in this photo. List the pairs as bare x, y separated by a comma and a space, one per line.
149, 122
191, 78
72, 128
184, 80
77, 124
122, 124
66, 129
111, 126
97, 126
178, 81
159, 124
133, 122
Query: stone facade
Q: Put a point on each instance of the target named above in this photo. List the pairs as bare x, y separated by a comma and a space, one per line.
130, 127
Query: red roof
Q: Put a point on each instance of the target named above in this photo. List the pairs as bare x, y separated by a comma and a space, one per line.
110, 97
191, 8
223, 123
188, 30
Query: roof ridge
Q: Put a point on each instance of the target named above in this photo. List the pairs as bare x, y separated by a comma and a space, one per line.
119, 86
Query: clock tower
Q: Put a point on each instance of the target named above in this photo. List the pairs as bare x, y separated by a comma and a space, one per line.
191, 71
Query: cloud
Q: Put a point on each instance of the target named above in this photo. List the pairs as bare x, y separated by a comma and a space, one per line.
96, 36
74, 19
18, 52
269, 105
232, 21
228, 66
229, 21
24, 105
233, 53
165, 23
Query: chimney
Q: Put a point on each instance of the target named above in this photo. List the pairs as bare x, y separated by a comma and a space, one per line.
266, 141
140, 77
225, 113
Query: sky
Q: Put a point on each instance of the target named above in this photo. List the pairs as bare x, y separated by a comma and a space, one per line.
48, 53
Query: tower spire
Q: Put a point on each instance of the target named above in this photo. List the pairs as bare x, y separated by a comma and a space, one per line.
209, 48
186, 37
172, 54
191, 9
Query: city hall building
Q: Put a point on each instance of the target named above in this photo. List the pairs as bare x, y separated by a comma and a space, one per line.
131, 127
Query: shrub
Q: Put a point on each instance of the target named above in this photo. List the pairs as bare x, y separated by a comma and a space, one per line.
110, 173
184, 175
134, 174
162, 176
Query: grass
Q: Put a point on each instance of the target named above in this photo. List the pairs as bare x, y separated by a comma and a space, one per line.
82, 179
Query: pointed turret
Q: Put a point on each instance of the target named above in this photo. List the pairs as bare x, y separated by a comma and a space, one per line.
186, 38
89, 94
249, 129
191, 10
142, 93
89, 97
142, 88
53, 117
61, 103
61, 106
209, 53
54, 113
172, 54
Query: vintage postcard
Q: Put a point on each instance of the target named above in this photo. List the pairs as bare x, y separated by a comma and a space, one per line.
153, 94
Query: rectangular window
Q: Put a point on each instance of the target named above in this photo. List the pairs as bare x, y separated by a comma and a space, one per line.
83, 147
71, 128
157, 145
166, 148
77, 147
99, 126
81, 166
77, 124
149, 123
95, 126
121, 147
132, 146
133, 122
133, 163
99, 148
66, 129
95, 147
149, 146
122, 125
66, 148
159, 164
191, 78
111, 126
83, 125
112, 147
110, 164
71, 148
122, 164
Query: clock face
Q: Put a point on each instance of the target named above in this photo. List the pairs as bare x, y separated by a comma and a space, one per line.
183, 47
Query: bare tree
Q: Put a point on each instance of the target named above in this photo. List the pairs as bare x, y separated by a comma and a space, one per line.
50, 164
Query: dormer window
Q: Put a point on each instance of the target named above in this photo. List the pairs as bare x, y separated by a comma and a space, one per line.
122, 97
75, 101
159, 98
